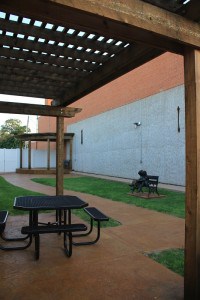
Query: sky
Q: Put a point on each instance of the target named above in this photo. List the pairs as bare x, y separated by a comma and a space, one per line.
32, 120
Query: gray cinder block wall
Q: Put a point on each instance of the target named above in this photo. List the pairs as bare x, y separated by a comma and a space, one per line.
112, 145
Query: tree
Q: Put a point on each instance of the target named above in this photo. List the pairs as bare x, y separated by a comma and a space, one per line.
9, 132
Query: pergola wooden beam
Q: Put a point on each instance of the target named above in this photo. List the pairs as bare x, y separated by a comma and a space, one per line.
34, 109
7, 73
111, 70
36, 137
133, 20
125, 21
17, 43
56, 36
44, 59
42, 68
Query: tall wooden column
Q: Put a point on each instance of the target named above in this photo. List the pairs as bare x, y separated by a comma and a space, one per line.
192, 226
59, 155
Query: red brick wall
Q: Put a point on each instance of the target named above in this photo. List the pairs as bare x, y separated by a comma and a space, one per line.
46, 124
162, 73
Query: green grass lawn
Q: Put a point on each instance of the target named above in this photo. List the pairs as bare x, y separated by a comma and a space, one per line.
173, 203
8, 192
173, 259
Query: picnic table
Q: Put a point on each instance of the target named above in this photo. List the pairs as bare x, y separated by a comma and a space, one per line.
63, 224
35, 204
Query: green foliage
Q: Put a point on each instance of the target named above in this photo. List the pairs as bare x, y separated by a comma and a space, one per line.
173, 203
9, 143
8, 192
173, 259
9, 132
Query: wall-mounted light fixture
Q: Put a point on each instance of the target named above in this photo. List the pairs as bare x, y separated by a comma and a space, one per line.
137, 124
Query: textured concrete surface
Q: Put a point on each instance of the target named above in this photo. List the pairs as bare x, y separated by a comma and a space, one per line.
112, 145
115, 268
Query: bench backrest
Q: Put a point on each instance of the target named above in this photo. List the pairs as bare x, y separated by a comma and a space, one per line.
153, 179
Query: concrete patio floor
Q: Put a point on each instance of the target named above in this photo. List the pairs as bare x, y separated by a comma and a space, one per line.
115, 268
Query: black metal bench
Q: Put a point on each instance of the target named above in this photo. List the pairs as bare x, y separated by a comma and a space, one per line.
67, 229
95, 215
151, 183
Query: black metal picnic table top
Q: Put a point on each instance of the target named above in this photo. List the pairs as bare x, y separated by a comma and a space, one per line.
48, 202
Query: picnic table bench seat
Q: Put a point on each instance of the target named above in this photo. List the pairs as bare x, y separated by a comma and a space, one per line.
67, 229
53, 228
3, 220
95, 215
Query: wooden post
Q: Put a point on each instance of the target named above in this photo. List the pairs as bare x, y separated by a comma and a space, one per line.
59, 155
29, 154
48, 154
21, 143
192, 222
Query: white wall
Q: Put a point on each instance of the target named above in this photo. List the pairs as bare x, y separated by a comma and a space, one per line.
113, 146
38, 158
10, 159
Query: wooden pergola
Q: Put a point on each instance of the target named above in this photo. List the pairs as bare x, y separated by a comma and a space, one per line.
65, 49
48, 138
